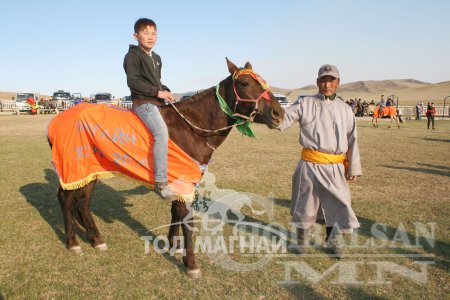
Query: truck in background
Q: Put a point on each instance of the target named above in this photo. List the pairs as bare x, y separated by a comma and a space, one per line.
105, 98
61, 99
21, 101
126, 102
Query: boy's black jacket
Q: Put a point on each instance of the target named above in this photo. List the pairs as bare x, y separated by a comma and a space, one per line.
143, 75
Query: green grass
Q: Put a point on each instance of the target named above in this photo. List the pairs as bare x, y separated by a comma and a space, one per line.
406, 179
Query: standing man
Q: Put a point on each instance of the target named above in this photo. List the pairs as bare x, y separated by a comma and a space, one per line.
329, 158
418, 111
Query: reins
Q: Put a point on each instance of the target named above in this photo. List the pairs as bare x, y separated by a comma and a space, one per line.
197, 127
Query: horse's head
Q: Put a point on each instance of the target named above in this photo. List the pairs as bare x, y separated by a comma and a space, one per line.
250, 98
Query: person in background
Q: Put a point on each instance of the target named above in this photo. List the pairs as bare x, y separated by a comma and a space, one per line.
431, 112
418, 111
389, 102
381, 106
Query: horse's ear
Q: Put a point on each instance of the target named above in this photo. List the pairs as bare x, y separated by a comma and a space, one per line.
231, 67
248, 65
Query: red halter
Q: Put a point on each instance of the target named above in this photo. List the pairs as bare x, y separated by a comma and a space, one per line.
264, 94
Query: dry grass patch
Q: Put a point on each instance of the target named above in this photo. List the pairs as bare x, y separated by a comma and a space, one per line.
406, 180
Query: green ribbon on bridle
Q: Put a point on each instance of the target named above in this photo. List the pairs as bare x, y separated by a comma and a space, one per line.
241, 124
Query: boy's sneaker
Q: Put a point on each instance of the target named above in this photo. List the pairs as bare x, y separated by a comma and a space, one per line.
165, 192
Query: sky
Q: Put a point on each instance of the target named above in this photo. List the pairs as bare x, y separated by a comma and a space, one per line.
79, 46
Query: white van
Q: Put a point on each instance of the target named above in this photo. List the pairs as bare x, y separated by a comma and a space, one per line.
282, 99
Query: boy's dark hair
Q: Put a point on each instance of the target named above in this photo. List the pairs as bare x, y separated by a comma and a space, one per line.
142, 23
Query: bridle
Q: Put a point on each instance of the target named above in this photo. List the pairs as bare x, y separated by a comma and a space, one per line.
264, 94
241, 120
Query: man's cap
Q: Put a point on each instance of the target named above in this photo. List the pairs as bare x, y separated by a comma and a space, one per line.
328, 70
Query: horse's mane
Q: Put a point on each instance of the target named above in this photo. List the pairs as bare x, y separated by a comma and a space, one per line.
201, 109
196, 97
196, 106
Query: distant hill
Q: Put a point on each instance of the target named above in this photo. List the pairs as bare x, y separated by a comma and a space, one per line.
408, 91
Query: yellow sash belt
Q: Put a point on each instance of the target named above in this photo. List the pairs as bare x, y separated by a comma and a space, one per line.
318, 157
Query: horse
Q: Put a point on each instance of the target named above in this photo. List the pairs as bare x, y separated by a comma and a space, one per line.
198, 125
388, 111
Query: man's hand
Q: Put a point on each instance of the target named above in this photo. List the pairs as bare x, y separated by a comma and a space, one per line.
352, 178
166, 95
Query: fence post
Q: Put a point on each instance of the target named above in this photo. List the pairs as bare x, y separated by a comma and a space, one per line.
443, 111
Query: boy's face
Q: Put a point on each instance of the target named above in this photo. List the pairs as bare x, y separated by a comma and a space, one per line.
146, 38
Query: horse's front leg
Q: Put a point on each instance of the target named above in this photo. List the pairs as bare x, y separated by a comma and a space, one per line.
174, 230
66, 199
186, 225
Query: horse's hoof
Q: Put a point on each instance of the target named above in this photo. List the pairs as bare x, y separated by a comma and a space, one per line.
76, 250
193, 273
102, 247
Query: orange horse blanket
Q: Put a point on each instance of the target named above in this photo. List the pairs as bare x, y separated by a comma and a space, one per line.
91, 141
387, 111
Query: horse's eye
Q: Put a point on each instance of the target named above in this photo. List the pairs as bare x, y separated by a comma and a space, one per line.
244, 83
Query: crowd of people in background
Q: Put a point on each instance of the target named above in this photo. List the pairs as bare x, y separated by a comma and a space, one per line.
363, 108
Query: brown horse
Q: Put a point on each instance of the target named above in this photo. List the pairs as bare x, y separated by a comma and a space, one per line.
198, 126
388, 111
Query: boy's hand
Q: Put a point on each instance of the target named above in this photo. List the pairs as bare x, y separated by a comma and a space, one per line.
166, 95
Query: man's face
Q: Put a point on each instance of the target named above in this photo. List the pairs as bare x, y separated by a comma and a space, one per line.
146, 38
327, 85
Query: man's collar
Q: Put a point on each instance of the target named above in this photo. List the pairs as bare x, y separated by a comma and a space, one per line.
323, 97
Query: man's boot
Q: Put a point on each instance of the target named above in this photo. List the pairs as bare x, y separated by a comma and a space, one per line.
165, 192
333, 242
302, 242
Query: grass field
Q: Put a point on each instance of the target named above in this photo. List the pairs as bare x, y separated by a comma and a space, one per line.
406, 181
